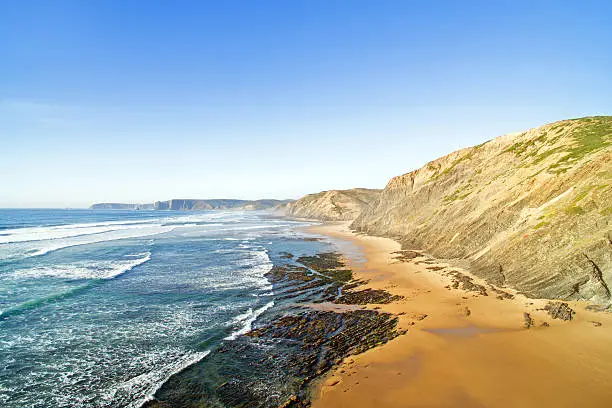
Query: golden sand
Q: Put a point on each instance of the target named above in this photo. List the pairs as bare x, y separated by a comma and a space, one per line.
452, 358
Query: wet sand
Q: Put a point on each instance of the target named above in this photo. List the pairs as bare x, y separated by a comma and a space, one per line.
463, 349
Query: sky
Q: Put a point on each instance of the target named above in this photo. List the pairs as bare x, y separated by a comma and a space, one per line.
138, 100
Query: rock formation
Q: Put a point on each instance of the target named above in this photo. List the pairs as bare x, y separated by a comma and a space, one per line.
333, 205
531, 210
218, 204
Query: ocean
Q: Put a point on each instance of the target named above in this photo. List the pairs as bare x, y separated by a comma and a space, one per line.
98, 308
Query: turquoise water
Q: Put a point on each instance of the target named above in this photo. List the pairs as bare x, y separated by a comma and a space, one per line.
98, 308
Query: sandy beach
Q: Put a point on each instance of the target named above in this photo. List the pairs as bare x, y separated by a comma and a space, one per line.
464, 348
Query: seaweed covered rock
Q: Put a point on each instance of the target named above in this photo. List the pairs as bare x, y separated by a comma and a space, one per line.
367, 296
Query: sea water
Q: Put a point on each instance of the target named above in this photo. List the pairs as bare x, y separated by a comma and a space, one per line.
99, 307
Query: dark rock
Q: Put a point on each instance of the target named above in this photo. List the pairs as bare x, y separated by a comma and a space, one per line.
597, 308
367, 296
406, 255
466, 283
501, 295
529, 322
328, 264
559, 310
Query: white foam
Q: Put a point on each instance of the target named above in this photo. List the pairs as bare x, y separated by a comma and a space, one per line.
148, 383
44, 247
180, 366
67, 231
247, 319
249, 272
95, 270
31, 234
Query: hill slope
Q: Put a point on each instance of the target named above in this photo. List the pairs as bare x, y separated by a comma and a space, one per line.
532, 210
333, 205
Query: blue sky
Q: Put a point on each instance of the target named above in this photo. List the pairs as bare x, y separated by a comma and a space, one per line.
136, 101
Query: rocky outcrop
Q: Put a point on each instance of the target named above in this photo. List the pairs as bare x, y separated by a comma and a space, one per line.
531, 210
274, 364
218, 204
333, 205
559, 310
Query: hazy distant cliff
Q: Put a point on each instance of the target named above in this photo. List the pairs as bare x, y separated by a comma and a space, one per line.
188, 205
332, 205
121, 206
530, 210
218, 204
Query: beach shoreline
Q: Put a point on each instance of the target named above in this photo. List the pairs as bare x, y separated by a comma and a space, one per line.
315, 317
468, 343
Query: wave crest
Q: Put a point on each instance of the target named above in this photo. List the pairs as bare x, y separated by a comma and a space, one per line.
96, 270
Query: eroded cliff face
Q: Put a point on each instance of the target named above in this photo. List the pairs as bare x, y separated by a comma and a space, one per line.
332, 205
531, 210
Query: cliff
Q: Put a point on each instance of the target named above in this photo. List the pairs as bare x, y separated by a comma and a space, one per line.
121, 206
189, 205
332, 205
218, 204
532, 210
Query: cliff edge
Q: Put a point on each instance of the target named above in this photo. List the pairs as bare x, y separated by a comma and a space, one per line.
531, 210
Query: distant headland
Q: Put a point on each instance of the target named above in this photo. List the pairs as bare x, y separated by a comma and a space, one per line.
196, 204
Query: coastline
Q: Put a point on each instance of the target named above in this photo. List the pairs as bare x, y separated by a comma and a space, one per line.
315, 318
465, 346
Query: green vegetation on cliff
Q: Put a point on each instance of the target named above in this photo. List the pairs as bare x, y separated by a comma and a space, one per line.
529, 210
